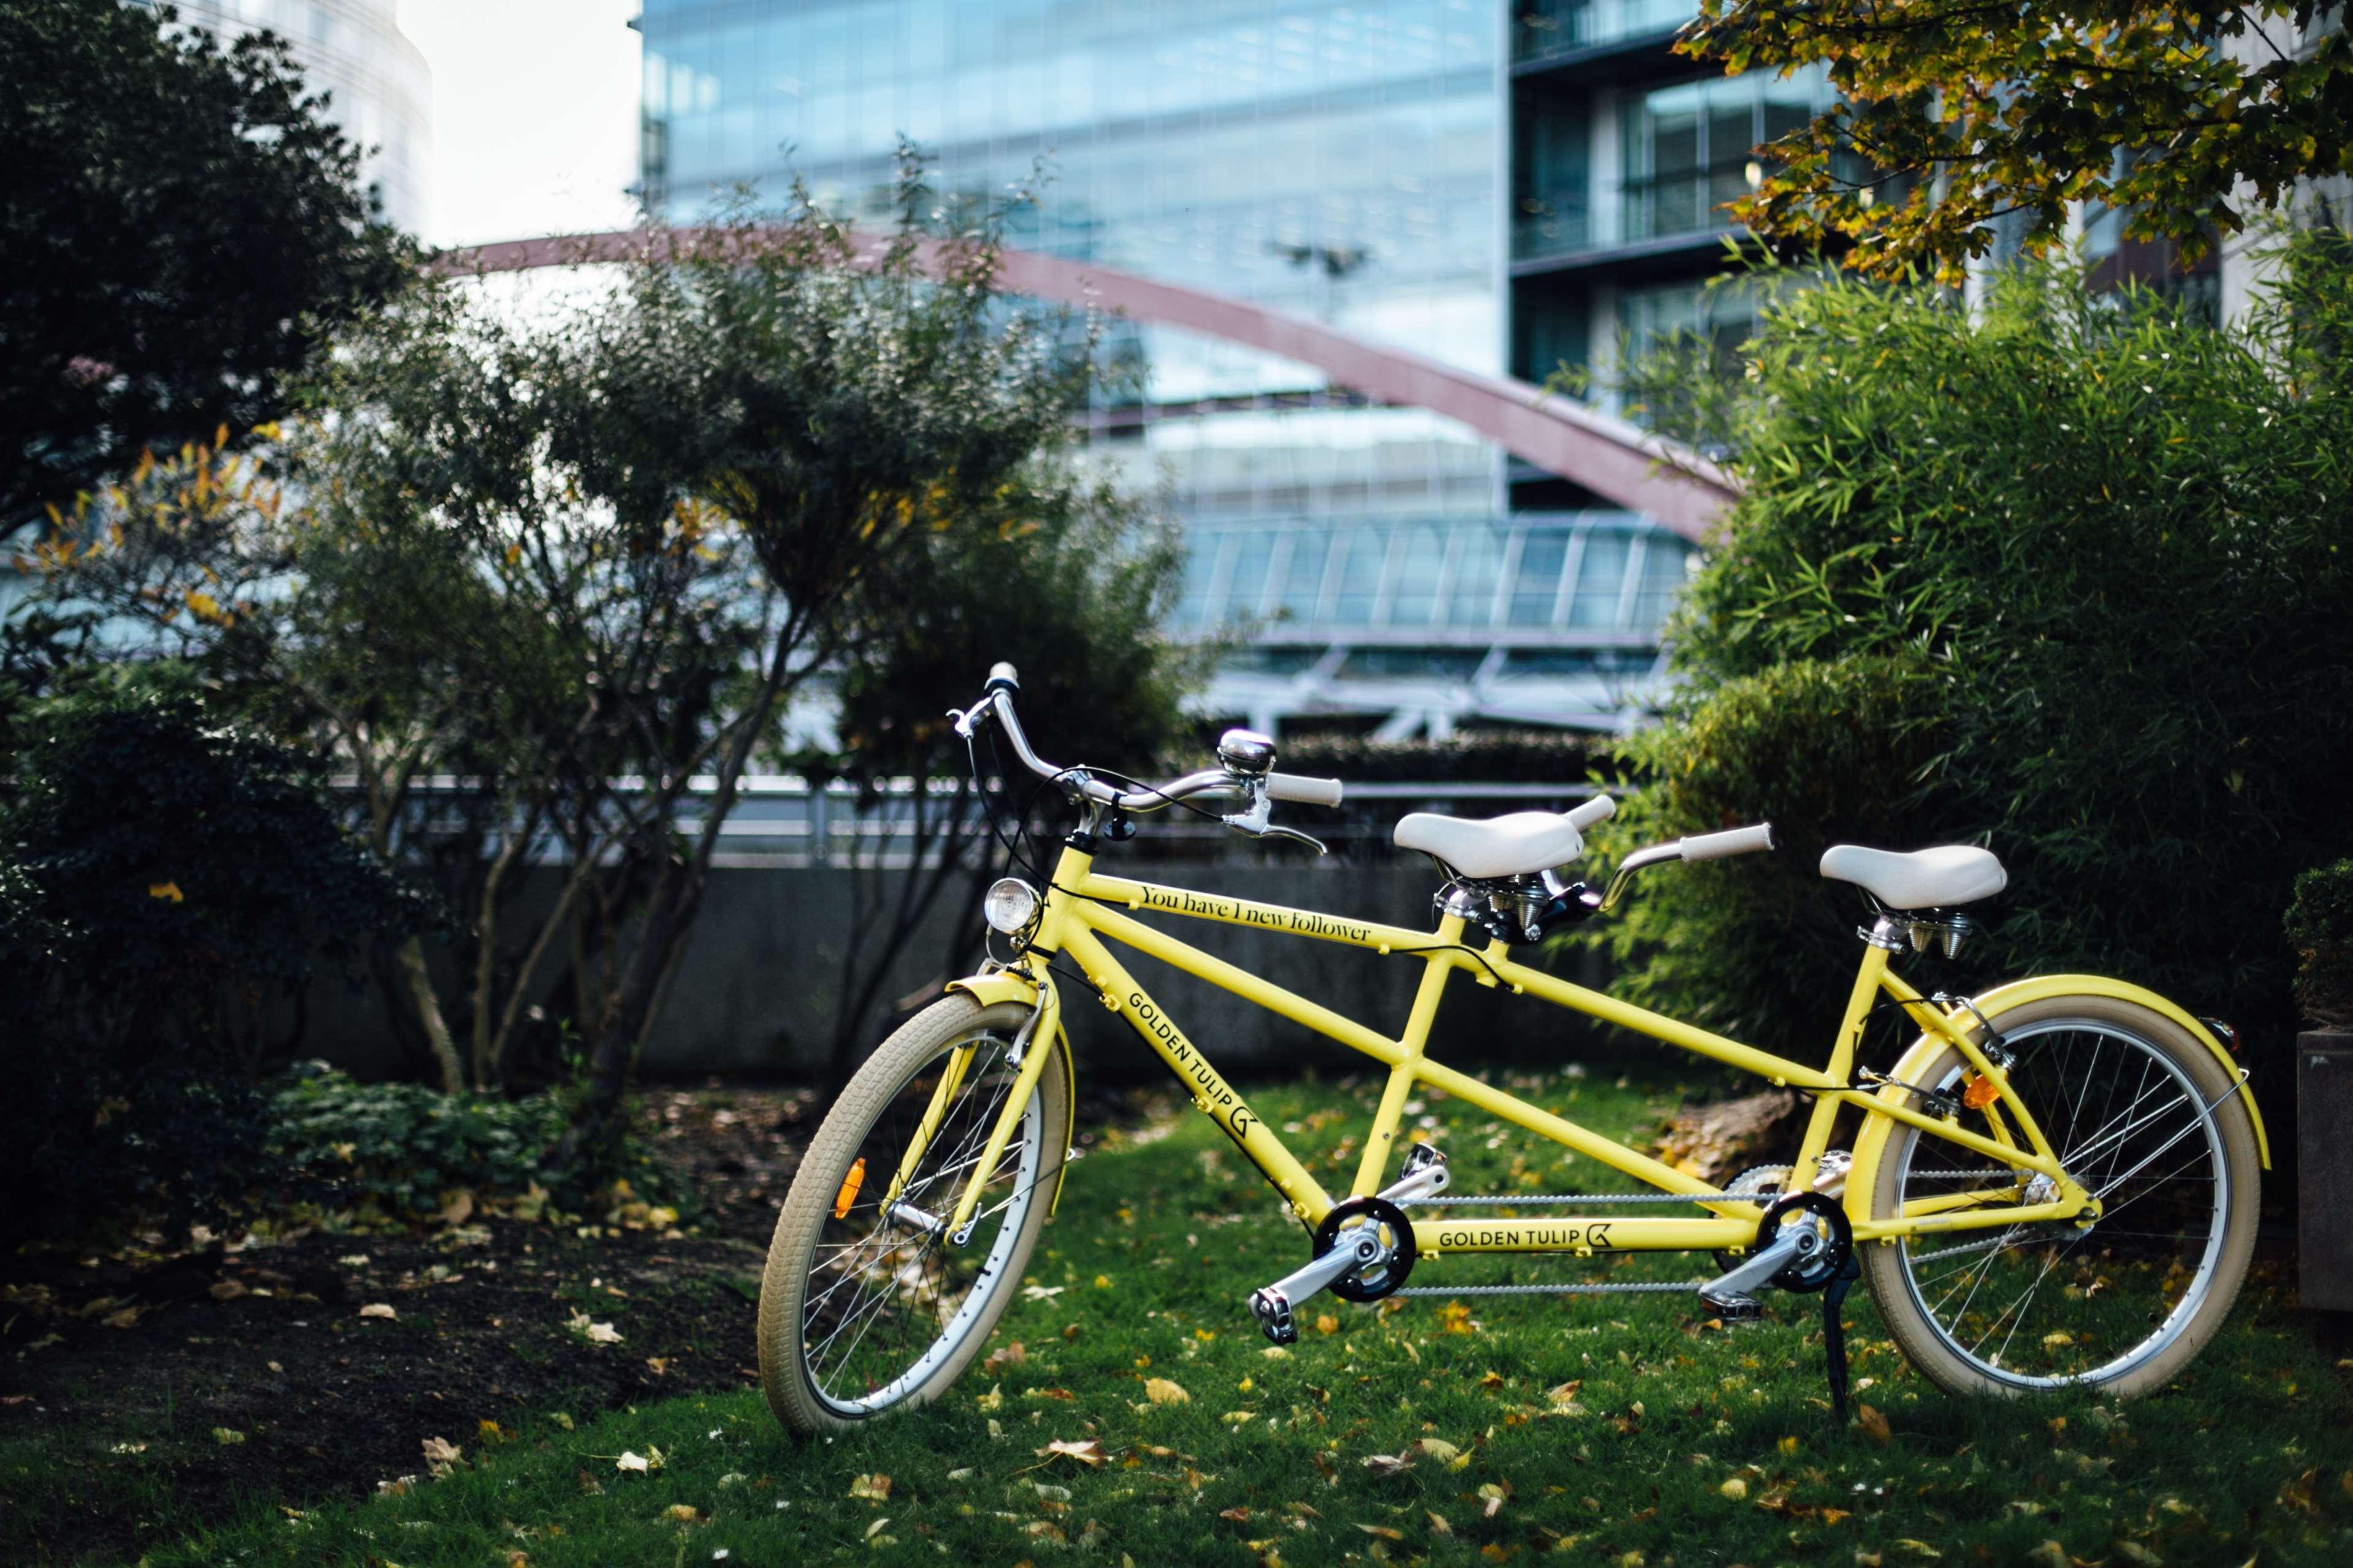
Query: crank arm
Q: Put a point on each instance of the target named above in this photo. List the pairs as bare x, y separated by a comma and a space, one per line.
1273, 1304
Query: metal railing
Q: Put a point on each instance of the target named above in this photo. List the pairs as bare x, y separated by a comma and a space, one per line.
784, 822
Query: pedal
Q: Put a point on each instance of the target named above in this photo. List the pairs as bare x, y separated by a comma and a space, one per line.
1272, 1310
1737, 1307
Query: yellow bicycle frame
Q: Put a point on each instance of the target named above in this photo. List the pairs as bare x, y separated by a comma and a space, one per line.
1082, 908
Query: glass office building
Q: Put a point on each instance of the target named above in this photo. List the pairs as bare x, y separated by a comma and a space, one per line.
1347, 163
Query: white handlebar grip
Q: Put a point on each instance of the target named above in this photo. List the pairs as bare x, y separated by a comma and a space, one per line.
1305, 791
1600, 808
1003, 672
1733, 841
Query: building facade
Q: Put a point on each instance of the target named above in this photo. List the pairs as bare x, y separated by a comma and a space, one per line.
380, 91
1347, 163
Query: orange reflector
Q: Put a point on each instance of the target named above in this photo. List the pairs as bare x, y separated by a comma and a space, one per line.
1980, 1093
850, 1185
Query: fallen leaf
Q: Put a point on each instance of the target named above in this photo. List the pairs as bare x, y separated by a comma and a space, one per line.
1162, 1391
379, 1310
993, 1400
1735, 1488
1437, 1522
1383, 1530
1087, 1451
642, 1464
1004, 1355
1042, 1292
684, 1512
1325, 1323
595, 1333
1238, 1418
1239, 1515
1437, 1448
228, 1434
441, 1456
1389, 1464
226, 1289
874, 1488
1874, 1423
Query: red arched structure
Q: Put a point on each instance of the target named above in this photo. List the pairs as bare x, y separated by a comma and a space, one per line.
1608, 457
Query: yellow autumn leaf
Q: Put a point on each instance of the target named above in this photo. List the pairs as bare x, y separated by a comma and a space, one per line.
167, 891
1163, 1391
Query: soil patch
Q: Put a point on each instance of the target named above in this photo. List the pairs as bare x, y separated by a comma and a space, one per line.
276, 1371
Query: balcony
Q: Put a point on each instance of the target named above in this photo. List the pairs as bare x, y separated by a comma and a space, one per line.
1546, 30
1642, 215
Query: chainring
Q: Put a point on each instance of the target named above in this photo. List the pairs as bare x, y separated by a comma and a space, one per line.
1822, 1267
1399, 1235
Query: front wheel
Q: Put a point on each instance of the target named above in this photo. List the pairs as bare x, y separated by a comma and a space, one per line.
2142, 1115
866, 1306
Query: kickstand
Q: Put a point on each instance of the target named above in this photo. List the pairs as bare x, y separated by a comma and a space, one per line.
1834, 1332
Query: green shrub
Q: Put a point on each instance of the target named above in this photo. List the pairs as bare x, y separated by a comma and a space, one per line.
401, 1150
1759, 946
2320, 929
163, 881
2117, 540
406, 1147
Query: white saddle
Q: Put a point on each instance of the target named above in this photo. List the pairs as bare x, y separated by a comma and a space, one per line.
1940, 877
1514, 846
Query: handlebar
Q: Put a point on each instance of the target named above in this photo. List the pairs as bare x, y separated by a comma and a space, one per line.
996, 703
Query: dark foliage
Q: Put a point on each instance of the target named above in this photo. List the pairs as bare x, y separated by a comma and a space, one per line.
177, 223
2320, 930
1487, 756
162, 883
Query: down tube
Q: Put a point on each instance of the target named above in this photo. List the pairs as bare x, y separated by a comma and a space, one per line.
1212, 1096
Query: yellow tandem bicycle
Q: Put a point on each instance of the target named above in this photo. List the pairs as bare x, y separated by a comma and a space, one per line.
2056, 1184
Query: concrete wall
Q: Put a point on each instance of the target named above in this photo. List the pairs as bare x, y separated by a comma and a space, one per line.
758, 989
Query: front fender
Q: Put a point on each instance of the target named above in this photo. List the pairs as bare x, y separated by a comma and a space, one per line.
1019, 986
1872, 1140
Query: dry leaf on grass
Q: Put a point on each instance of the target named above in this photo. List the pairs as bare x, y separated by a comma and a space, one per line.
379, 1310
1389, 1464
873, 1488
1874, 1423
1085, 1450
441, 1456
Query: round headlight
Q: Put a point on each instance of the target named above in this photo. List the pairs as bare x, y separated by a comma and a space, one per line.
1010, 906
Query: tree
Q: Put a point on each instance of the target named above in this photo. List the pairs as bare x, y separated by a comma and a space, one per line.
409, 584
835, 400
2067, 578
1953, 113
178, 230
1072, 587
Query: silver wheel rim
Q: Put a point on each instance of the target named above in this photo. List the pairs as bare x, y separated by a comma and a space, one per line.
2022, 1305
878, 1291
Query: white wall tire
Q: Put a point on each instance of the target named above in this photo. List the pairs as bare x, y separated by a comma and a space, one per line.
2121, 1308
864, 1314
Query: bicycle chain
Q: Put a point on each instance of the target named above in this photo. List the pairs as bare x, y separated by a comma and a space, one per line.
1647, 1288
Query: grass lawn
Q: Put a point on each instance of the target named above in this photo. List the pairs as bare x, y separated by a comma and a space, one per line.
1614, 1429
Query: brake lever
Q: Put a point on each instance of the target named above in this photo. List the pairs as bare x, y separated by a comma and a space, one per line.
1240, 823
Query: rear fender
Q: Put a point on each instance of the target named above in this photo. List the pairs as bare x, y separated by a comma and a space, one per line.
1873, 1141
1020, 987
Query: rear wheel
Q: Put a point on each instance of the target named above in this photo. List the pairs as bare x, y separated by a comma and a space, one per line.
2123, 1095
866, 1305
